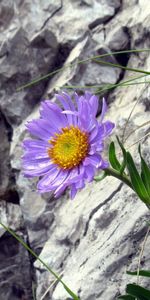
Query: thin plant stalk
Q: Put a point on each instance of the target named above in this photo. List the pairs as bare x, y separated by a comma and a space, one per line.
141, 253
75, 297
105, 86
123, 177
70, 65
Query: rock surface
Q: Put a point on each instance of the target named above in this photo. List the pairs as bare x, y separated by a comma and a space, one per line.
93, 239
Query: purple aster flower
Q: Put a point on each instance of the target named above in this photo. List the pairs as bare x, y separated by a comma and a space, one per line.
67, 143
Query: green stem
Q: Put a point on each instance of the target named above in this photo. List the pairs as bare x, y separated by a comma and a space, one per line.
123, 177
70, 292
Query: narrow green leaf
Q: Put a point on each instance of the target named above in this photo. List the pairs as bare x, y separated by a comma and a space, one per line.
126, 297
145, 173
75, 297
105, 87
36, 80
119, 66
136, 180
145, 273
138, 291
123, 165
112, 157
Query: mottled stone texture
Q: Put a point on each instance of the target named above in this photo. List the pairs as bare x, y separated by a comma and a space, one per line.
92, 239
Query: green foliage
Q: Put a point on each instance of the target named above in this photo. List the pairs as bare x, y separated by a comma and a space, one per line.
127, 297
139, 182
145, 273
124, 156
135, 291
92, 58
113, 158
136, 180
145, 173
138, 291
74, 297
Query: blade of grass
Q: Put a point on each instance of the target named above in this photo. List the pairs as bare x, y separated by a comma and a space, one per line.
121, 67
140, 126
36, 80
141, 254
120, 84
144, 273
48, 289
126, 124
75, 297
103, 87
125, 127
138, 141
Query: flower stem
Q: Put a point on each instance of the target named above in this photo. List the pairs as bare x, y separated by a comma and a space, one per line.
123, 177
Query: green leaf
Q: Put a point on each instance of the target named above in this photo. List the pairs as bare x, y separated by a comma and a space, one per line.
145, 273
126, 297
145, 173
70, 65
75, 297
136, 180
123, 165
138, 291
112, 157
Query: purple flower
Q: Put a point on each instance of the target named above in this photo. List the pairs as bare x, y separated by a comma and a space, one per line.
67, 144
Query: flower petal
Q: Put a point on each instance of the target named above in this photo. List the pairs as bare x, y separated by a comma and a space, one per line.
73, 191
33, 155
45, 184
108, 127
38, 171
41, 129
53, 114
93, 160
67, 103
94, 104
89, 171
104, 110
31, 145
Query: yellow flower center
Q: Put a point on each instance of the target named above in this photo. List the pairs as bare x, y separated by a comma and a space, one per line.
69, 148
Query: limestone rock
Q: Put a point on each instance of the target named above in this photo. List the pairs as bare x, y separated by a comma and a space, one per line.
118, 39
15, 276
93, 239
15, 273
22, 61
4, 155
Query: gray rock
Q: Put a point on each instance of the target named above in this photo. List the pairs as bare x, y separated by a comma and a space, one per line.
84, 15
92, 240
24, 60
89, 73
15, 276
4, 157
15, 272
118, 39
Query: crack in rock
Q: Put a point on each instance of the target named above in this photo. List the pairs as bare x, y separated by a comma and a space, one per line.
52, 14
99, 206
